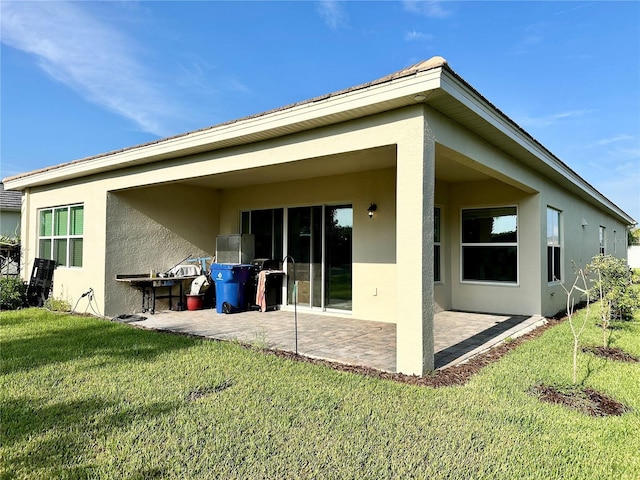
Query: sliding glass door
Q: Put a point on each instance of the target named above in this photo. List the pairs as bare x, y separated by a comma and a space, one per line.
304, 245
338, 258
319, 240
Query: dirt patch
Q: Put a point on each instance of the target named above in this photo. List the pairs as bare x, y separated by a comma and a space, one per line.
611, 353
585, 400
206, 391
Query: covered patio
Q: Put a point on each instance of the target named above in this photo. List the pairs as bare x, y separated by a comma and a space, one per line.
458, 335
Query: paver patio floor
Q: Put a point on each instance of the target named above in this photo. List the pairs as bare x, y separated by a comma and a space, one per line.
458, 335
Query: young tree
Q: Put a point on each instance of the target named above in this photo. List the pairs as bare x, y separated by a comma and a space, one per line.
575, 329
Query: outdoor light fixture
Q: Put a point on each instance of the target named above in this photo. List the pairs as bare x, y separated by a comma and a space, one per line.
372, 208
420, 97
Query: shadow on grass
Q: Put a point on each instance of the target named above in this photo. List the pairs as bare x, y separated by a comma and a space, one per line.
591, 368
58, 444
63, 338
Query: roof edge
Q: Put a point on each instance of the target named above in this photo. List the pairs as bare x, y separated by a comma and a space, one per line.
426, 65
545, 152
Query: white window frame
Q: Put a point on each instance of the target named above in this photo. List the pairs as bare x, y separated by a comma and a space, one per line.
68, 237
602, 240
495, 244
554, 241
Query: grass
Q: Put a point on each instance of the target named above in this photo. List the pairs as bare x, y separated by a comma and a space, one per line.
88, 398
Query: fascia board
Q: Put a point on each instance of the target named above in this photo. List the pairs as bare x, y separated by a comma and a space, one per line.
473, 101
324, 111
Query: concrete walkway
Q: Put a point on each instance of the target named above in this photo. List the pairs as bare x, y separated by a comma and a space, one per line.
458, 335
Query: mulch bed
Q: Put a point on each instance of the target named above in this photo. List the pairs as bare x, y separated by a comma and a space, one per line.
611, 353
586, 400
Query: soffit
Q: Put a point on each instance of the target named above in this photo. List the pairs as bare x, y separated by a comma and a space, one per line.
330, 165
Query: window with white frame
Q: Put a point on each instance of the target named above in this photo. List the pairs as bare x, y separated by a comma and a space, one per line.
554, 249
490, 244
436, 245
602, 237
615, 241
60, 236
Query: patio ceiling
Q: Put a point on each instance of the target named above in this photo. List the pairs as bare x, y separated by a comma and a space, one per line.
351, 162
450, 167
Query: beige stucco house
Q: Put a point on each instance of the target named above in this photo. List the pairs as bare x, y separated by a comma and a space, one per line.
472, 213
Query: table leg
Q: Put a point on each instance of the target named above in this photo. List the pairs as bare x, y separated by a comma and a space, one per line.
153, 308
144, 295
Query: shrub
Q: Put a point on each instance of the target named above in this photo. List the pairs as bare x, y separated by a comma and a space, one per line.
613, 284
57, 304
13, 293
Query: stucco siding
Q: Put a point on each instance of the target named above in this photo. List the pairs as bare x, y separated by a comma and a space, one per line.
374, 247
70, 282
517, 298
579, 237
155, 228
181, 220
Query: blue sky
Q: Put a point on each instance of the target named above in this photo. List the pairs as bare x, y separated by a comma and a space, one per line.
83, 78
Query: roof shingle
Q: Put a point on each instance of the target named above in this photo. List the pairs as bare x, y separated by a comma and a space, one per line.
10, 199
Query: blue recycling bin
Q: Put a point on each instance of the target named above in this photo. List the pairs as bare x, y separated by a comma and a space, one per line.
230, 279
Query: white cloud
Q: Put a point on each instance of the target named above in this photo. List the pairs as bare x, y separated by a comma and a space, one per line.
417, 36
426, 8
551, 119
94, 59
333, 13
610, 140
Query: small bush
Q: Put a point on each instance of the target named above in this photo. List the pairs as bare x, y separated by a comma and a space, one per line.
613, 283
13, 293
57, 304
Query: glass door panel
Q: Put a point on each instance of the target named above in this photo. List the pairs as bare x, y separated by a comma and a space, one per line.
316, 258
319, 241
338, 257
299, 248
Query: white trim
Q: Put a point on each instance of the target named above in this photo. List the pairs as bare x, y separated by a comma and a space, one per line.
496, 244
560, 244
67, 237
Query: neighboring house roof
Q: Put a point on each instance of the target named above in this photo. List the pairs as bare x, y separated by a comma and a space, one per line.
431, 82
10, 200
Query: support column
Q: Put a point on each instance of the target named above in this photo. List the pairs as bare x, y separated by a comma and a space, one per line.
414, 252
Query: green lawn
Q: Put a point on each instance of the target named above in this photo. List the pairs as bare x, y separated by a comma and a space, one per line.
88, 398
